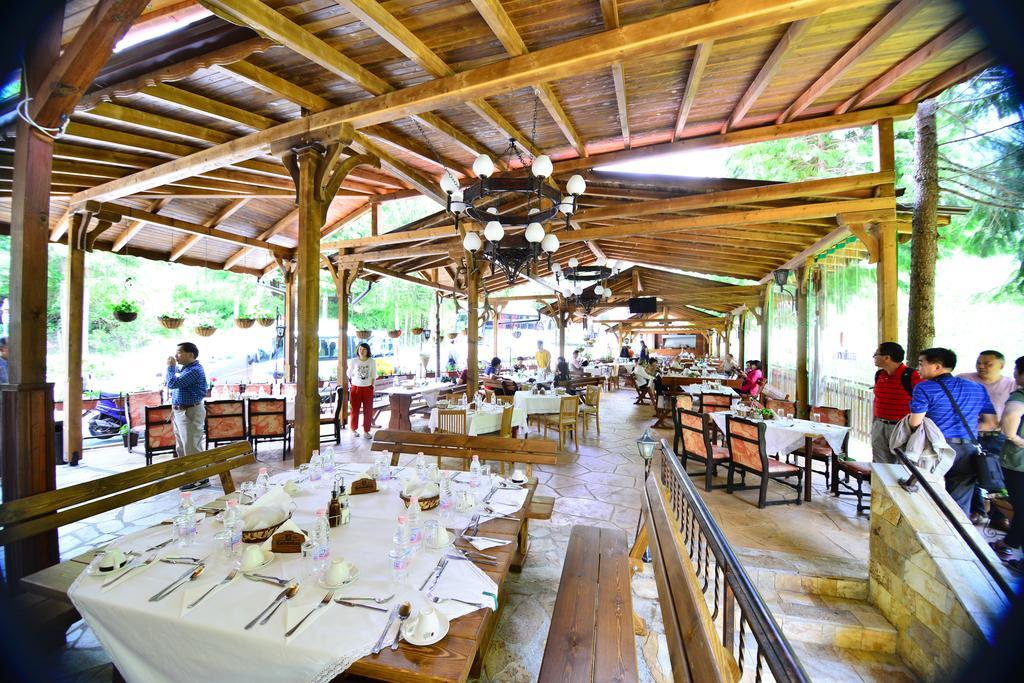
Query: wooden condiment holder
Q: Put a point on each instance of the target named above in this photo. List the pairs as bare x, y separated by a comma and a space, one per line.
287, 542
364, 485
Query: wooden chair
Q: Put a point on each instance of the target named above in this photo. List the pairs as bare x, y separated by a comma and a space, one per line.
506, 400
267, 422
642, 393
591, 407
565, 421
263, 388
457, 396
225, 421
451, 422
745, 439
159, 431
820, 450
591, 632
135, 412
330, 414
289, 389
715, 403
695, 430
681, 402
612, 380
778, 405
488, 396
860, 472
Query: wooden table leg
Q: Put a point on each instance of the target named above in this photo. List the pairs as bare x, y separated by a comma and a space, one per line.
400, 404
522, 547
808, 460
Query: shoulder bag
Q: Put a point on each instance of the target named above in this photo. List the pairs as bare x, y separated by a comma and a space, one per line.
986, 465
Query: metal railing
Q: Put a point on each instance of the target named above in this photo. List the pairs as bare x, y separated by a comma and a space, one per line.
917, 479
737, 607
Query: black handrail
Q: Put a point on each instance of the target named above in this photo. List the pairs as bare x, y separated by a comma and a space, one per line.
909, 484
773, 646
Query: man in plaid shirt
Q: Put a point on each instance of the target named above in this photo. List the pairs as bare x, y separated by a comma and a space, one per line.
187, 387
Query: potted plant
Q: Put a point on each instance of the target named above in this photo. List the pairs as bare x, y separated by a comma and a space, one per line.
363, 335
204, 326
172, 320
244, 322
395, 334
453, 335
416, 331
126, 311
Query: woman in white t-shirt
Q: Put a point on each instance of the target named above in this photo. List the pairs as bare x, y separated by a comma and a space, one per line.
362, 371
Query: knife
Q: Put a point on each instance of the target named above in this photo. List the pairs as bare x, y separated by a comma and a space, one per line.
343, 601
144, 563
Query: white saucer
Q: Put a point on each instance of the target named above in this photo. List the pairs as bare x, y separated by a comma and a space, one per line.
268, 558
434, 546
442, 631
335, 586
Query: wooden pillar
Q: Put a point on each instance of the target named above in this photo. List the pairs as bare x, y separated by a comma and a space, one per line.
73, 338
26, 403
374, 218
728, 336
289, 322
307, 282
343, 284
742, 334
437, 333
802, 384
887, 270
766, 318
473, 327
561, 332
718, 343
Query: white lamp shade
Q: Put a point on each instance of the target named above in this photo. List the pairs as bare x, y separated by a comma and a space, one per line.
556, 267
574, 262
448, 183
471, 242
611, 263
492, 210
601, 261
607, 293
483, 166
493, 231
567, 206
576, 184
534, 233
532, 211
599, 290
542, 166
550, 243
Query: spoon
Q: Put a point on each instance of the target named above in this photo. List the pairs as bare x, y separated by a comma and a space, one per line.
192, 576
227, 579
287, 594
404, 610
379, 601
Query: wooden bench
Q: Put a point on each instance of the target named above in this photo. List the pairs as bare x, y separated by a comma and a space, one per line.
591, 633
32, 515
580, 382
528, 451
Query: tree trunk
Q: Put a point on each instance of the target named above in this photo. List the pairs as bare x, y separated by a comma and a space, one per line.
924, 245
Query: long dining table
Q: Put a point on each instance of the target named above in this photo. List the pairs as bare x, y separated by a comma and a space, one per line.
168, 641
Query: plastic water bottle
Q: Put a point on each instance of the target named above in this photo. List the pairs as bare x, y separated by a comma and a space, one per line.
322, 538
232, 530
445, 504
316, 466
328, 462
399, 555
185, 523
415, 526
421, 467
262, 482
474, 472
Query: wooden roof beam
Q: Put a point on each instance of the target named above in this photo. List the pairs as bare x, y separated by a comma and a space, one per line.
895, 18
501, 25
974, 64
289, 220
701, 55
610, 15
134, 227
919, 57
228, 210
386, 272
671, 31
768, 70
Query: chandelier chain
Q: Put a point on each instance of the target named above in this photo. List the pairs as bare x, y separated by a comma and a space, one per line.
433, 151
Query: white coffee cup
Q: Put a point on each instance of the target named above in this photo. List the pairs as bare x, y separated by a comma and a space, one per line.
252, 557
340, 571
426, 625
112, 559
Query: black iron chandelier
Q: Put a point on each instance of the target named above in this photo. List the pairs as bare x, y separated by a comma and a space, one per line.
576, 276
499, 202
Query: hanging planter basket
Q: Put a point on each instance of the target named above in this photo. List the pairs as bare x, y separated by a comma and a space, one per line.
363, 334
416, 331
395, 334
453, 335
265, 321
245, 323
171, 322
126, 316
516, 334
205, 330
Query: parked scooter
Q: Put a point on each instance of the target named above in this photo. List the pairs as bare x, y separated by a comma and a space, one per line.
108, 418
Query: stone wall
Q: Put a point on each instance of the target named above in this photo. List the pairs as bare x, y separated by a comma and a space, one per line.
925, 580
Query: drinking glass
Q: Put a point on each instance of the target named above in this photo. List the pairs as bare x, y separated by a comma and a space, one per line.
309, 559
815, 417
485, 474
247, 492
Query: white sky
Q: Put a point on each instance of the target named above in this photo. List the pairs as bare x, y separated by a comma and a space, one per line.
706, 163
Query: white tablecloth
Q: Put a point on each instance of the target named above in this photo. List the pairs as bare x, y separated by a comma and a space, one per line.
781, 440
159, 641
698, 389
485, 421
535, 404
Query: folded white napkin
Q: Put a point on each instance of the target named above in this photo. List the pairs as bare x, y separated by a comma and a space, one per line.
195, 589
274, 496
481, 543
299, 606
465, 581
290, 525
507, 501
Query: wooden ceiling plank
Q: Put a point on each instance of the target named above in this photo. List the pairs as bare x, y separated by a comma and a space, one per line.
895, 18
386, 272
919, 57
206, 106
135, 227
228, 210
768, 70
701, 55
670, 31
974, 64
619, 80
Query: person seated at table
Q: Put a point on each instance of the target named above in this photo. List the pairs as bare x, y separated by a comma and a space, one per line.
643, 379
577, 364
494, 369
729, 366
624, 352
463, 376
562, 370
751, 379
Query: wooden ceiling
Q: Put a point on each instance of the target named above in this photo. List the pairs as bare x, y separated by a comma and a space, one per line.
174, 137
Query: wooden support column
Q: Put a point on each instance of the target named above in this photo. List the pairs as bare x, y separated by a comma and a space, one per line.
802, 383
374, 219
343, 284
742, 334
289, 321
437, 333
561, 331
73, 325
26, 403
766, 318
473, 327
887, 270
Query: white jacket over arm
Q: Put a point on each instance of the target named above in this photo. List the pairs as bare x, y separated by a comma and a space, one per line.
925, 446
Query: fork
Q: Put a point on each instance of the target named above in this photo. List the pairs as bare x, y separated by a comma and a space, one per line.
227, 579
440, 570
268, 579
323, 603
379, 601
144, 563
436, 599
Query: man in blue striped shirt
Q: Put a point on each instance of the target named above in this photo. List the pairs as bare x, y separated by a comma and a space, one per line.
187, 387
936, 367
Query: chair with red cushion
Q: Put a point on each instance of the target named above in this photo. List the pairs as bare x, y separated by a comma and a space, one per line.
267, 422
135, 410
860, 472
159, 431
695, 435
225, 421
820, 450
745, 439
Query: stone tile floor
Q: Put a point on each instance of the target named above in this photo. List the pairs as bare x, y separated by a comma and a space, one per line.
598, 485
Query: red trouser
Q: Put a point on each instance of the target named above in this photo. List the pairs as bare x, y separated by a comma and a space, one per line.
361, 397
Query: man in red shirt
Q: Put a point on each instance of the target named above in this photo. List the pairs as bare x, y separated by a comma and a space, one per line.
894, 384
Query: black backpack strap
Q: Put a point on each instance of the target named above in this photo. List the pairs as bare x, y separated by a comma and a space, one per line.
907, 380
956, 407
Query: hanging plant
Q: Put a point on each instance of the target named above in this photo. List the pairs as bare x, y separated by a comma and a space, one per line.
363, 335
395, 334
245, 323
205, 330
126, 311
171, 322
416, 331
266, 320
453, 335
516, 334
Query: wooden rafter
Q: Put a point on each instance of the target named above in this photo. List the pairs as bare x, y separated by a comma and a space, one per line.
135, 227
701, 55
610, 16
974, 64
876, 34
